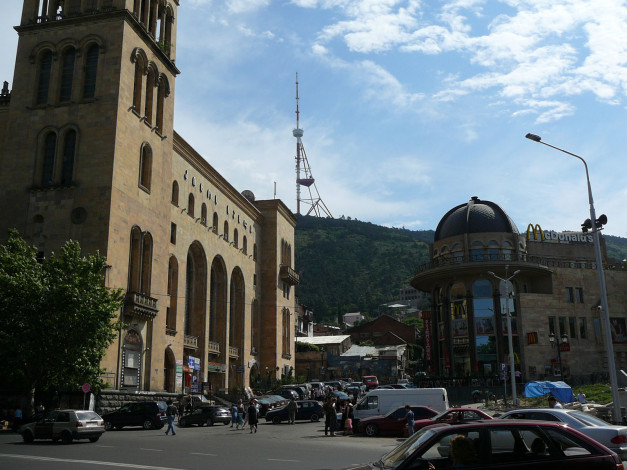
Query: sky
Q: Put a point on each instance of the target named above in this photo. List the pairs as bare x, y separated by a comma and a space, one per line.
409, 108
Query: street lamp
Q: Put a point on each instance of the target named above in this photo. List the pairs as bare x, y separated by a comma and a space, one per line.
509, 330
596, 225
556, 342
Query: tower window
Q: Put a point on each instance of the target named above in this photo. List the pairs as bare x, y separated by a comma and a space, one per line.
67, 75
175, 193
145, 167
50, 148
91, 67
69, 149
150, 86
190, 205
43, 87
137, 89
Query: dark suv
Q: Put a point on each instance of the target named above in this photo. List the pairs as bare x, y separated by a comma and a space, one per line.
147, 414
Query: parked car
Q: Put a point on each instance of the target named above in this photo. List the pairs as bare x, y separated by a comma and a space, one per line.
611, 436
452, 416
335, 385
66, 425
370, 381
310, 410
394, 422
391, 387
147, 414
288, 393
341, 396
500, 444
270, 402
206, 414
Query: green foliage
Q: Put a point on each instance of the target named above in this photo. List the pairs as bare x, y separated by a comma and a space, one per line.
304, 347
57, 317
415, 322
616, 247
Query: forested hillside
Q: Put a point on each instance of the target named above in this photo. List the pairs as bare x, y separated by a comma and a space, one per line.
349, 265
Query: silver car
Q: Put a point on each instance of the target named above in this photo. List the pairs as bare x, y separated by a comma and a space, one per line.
66, 425
611, 436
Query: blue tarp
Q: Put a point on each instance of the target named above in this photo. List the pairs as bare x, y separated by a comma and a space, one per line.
560, 390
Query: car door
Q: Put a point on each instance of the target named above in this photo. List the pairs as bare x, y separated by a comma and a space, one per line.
61, 423
43, 427
394, 423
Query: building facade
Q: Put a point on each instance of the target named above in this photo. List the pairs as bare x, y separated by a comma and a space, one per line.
555, 289
89, 153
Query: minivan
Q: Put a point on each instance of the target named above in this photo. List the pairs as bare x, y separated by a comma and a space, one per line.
381, 401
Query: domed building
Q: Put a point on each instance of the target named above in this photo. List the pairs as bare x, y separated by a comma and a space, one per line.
554, 288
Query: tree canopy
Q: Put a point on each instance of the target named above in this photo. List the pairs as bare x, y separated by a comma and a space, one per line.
57, 317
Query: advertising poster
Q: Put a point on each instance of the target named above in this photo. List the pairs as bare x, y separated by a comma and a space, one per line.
484, 326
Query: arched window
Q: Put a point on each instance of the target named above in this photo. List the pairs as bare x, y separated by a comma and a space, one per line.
244, 245
168, 32
140, 269
235, 238
215, 223
137, 89
145, 167
67, 74
69, 150
190, 205
203, 214
91, 69
456, 253
136, 7
476, 251
254, 252
175, 193
144, 12
161, 93
150, 86
493, 250
226, 231
507, 250
45, 66
50, 150
285, 330
173, 279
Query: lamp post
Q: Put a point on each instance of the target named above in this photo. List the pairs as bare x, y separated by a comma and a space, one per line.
557, 342
509, 330
596, 226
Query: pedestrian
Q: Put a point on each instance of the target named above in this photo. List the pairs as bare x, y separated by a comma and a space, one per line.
327, 409
292, 407
581, 397
233, 414
348, 424
240, 415
252, 417
410, 420
171, 412
553, 403
333, 423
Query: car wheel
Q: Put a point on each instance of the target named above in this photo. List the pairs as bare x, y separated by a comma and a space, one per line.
108, 426
94, 439
183, 423
209, 422
227, 422
276, 420
66, 437
371, 430
147, 424
314, 418
27, 436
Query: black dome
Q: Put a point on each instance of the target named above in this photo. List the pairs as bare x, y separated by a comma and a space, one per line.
476, 216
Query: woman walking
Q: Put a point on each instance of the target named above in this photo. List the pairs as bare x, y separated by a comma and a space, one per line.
252, 416
240, 415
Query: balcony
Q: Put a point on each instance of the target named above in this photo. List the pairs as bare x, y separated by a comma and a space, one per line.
288, 275
233, 352
170, 331
190, 342
213, 347
139, 305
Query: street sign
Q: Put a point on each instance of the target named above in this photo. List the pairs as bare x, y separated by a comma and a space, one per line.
86, 388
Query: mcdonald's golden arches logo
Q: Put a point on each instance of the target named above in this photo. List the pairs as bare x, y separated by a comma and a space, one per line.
537, 232
458, 311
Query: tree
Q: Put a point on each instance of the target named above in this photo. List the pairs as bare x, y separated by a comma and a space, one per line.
57, 317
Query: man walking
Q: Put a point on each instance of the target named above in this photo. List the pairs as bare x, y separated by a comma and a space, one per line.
292, 407
410, 420
171, 412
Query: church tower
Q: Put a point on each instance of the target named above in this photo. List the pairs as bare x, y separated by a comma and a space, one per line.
86, 141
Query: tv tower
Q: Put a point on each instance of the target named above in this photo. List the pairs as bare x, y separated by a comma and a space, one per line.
317, 205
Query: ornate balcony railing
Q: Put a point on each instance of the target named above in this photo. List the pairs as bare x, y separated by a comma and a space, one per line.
233, 351
213, 347
288, 275
140, 306
190, 341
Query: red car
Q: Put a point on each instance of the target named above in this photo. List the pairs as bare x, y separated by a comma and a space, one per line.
451, 416
394, 422
499, 444
370, 381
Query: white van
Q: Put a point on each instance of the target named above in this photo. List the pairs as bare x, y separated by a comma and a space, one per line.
381, 401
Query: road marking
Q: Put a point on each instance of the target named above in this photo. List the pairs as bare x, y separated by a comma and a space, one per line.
90, 462
200, 453
282, 460
151, 450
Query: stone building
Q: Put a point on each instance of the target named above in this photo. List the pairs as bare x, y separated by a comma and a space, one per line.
556, 290
88, 152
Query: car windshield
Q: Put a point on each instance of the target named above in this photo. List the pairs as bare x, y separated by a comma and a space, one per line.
394, 458
587, 419
83, 415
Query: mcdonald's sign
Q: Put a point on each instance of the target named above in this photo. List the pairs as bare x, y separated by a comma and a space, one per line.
458, 310
532, 337
536, 231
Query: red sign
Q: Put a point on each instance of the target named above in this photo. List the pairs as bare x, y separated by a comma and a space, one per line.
86, 388
427, 340
564, 347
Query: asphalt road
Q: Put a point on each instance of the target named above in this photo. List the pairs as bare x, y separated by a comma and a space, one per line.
302, 446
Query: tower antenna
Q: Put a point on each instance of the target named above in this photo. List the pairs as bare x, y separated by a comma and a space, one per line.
317, 205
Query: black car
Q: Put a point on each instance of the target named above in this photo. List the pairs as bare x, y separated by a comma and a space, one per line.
206, 415
147, 414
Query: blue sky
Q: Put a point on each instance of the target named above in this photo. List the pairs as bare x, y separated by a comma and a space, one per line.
409, 107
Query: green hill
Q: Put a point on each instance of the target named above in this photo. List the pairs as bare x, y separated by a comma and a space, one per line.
348, 265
